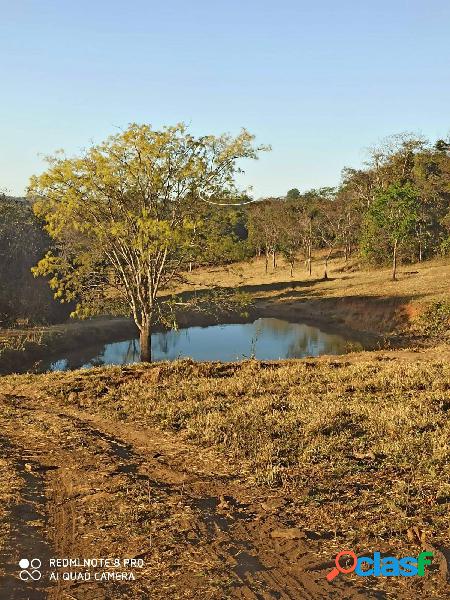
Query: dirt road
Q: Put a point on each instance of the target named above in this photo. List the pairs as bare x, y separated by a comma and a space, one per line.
89, 489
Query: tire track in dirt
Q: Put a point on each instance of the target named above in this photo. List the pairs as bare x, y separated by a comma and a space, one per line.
27, 519
214, 522
231, 537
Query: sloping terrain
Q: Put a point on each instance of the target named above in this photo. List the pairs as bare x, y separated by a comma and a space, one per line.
229, 481
92, 488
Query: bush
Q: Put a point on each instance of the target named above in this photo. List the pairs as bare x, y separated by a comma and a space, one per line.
435, 320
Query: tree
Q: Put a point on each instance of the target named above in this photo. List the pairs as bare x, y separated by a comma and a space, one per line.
291, 238
330, 225
392, 217
293, 194
442, 145
126, 216
393, 160
309, 211
264, 227
225, 239
22, 243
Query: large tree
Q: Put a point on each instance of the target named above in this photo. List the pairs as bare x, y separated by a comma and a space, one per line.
126, 216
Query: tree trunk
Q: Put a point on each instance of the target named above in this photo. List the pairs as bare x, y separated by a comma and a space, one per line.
274, 259
394, 262
325, 276
292, 269
267, 261
146, 343
309, 259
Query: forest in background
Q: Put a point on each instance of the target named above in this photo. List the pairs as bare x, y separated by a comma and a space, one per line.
395, 209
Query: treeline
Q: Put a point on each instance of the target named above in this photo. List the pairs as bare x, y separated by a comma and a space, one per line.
22, 243
396, 208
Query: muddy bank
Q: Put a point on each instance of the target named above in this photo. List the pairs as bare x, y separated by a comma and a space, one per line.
51, 341
367, 318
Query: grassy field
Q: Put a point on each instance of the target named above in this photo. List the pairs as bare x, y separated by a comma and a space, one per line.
353, 297
358, 446
363, 302
428, 280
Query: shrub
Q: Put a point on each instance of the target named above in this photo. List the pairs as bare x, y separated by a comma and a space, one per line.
435, 320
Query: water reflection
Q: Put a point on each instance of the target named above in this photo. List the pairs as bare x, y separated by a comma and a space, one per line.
265, 339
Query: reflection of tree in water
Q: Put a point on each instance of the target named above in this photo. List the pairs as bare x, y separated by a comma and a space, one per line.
119, 353
312, 341
276, 327
167, 341
294, 340
78, 359
132, 352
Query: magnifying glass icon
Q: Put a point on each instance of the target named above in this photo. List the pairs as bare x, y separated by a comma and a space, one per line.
339, 568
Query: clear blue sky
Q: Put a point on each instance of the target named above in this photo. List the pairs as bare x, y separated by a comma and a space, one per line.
319, 81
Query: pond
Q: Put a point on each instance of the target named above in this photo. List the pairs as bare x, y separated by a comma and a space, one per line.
264, 339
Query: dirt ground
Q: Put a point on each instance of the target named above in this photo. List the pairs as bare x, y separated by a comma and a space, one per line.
87, 488
81, 483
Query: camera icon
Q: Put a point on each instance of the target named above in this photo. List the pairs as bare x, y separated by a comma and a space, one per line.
30, 569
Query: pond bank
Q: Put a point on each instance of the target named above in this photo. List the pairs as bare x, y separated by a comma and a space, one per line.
366, 321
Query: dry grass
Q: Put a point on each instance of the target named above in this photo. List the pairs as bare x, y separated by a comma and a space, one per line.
362, 444
9, 489
424, 281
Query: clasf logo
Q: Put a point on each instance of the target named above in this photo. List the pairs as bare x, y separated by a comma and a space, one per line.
378, 566
30, 569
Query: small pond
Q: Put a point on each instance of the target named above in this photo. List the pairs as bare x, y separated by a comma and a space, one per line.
264, 339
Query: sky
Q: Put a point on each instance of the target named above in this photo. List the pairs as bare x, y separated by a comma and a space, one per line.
319, 81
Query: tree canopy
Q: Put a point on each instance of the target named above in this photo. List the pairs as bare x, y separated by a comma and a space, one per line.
394, 208
127, 216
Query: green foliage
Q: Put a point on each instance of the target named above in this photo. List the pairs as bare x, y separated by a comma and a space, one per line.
224, 238
445, 243
22, 242
129, 214
435, 320
293, 194
390, 220
445, 247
